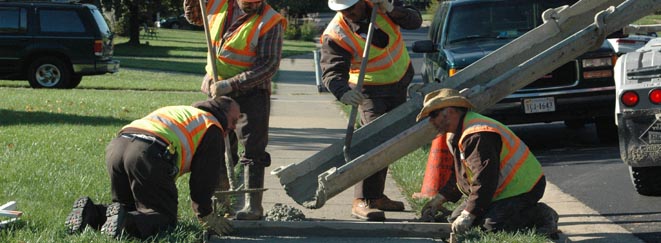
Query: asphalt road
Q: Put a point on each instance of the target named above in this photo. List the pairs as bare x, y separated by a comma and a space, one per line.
579, 165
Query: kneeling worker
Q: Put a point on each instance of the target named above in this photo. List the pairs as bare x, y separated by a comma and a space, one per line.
501, 179
147, 157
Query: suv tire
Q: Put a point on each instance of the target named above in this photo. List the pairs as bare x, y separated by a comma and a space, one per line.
75, 81
49, 72
646, 180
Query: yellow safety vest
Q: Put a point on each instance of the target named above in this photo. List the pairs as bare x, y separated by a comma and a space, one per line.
519, 169
180, 126
237, 54
385, 65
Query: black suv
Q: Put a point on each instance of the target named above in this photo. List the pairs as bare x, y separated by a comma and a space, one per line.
53, 45
577, 93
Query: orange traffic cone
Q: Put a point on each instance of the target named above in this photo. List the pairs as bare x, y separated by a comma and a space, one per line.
439, 167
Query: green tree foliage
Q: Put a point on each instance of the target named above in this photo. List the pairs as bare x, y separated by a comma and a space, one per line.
299, 8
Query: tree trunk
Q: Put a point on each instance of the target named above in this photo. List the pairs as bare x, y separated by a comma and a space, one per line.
134, 24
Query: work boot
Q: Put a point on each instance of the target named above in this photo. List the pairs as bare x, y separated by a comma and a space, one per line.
115, 220
83, 214
546, 221
362, 210
384, 203
254, 178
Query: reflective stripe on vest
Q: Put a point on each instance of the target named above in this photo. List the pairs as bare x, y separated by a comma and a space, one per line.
180, 126
519, 169
385, 65
237, 53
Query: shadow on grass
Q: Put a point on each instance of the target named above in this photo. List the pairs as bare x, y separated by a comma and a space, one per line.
11, 117
125, 49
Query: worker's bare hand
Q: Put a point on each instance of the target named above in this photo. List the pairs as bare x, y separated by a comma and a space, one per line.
352, 97
220, 88
218, 224
384, 5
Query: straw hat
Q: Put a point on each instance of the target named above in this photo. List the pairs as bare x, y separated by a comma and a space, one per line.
443, 98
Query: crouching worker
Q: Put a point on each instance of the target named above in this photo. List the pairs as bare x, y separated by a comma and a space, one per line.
501, 179
146, 158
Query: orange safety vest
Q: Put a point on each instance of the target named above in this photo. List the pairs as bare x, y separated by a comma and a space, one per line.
385, 65
519, 169
182, 127
238, 52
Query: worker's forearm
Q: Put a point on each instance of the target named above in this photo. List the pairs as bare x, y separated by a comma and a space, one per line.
407, 18
335, 64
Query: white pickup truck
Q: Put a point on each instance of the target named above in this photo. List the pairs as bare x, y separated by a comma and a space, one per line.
638, 115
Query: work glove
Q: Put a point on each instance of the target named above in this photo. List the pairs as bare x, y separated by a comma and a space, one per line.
384, 5
220, 88
433, 207
352, 97
218, 224
463, 222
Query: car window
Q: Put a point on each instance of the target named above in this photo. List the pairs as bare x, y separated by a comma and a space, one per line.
101, 22
60, 21
495, 20
13, 20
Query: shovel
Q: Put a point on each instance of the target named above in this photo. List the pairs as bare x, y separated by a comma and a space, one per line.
359, 86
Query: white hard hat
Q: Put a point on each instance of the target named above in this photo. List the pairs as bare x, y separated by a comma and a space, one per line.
339, 5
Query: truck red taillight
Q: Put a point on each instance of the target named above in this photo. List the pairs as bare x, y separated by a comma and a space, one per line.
98, 47
629, 98
655, 96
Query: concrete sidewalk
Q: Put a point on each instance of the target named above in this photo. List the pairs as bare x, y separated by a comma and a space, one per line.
304, 122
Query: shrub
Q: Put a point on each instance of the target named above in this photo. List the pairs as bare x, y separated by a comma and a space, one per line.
292, 32
308, 31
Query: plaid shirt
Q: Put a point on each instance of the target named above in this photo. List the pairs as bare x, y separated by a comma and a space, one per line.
269, 49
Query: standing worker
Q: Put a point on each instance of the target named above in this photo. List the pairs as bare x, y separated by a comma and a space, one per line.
388, 74
247, 37
493, 168
145, 160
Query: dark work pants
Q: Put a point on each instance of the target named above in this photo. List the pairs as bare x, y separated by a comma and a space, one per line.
370, 109
252, 129
141, 181
509, 214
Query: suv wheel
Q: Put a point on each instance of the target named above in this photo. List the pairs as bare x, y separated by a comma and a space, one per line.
75, 81
48, 72
646, 180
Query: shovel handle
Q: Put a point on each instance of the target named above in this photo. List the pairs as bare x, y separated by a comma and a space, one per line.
359, 87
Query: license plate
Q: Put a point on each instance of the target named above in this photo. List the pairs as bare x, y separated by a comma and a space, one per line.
537, 105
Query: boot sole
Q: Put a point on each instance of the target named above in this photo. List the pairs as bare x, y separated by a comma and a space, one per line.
75, 221
115, 215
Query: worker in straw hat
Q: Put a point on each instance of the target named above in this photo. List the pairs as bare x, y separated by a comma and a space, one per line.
501, 179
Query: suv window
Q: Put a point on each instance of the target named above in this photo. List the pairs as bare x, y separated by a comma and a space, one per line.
14, 20
60, 21
496, 20
103, 26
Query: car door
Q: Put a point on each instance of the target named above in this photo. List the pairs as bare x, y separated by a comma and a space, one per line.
14, 37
